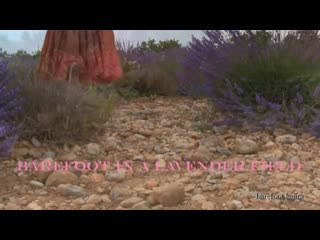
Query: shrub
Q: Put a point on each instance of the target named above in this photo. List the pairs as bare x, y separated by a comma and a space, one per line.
3, 53
149, 72
56, 110
152, 45
36, 54
9, 106
257, 77
22, 66
21, 53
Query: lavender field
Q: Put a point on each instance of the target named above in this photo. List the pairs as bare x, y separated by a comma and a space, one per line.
229, 121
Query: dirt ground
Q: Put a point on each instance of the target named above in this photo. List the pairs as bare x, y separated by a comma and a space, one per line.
164, 130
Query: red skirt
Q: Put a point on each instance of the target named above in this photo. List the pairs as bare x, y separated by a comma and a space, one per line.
93, 51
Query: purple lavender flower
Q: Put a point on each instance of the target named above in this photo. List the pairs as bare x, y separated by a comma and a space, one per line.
316, 92
9, 106
229, 121
314, 128
254, 75
299, 98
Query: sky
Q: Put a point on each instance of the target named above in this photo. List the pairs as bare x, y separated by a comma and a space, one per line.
31, 40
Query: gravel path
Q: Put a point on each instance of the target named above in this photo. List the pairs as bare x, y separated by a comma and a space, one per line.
158, 133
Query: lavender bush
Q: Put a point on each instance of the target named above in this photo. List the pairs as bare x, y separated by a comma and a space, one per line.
150, 71
23, 66
9, 106
53, 110
264, 78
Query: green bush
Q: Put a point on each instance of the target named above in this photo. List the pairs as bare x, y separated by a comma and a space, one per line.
36, 54
152, 45
3, 53
21, 53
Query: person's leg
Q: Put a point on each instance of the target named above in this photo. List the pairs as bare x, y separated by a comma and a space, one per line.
73, 74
